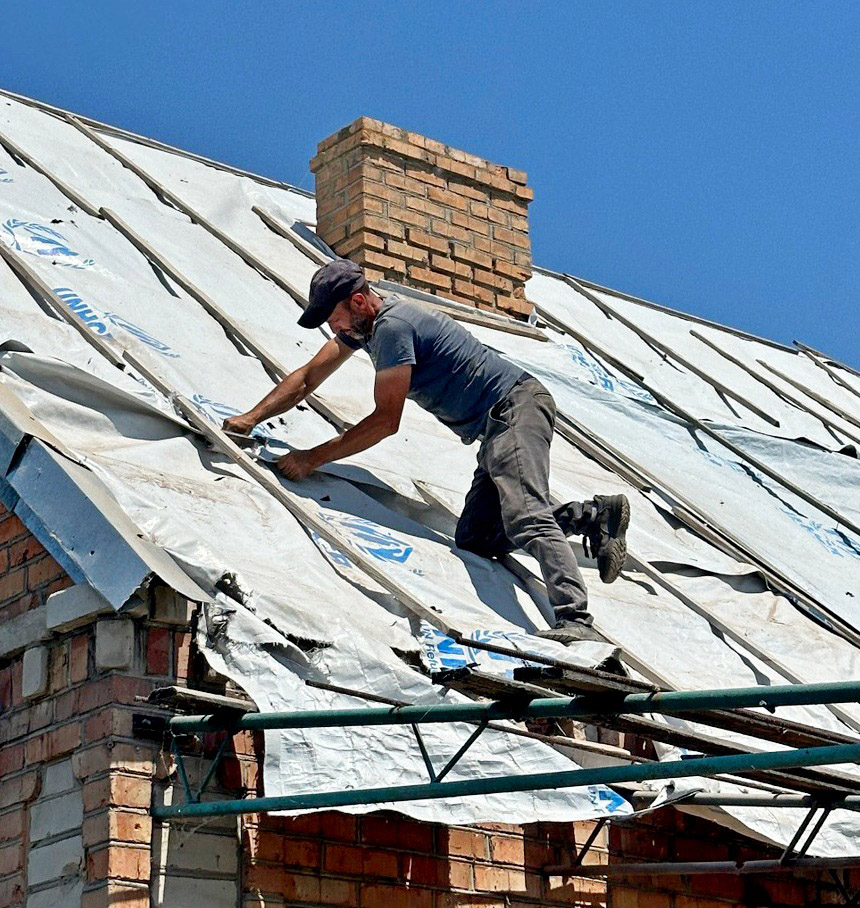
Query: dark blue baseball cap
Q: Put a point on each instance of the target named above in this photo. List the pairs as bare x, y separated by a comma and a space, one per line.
333, 283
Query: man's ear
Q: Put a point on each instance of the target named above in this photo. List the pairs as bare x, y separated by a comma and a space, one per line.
359, 301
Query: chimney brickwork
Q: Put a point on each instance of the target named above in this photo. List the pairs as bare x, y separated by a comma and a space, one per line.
412, 210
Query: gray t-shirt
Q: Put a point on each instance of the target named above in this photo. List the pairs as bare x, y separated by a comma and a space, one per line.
454, 375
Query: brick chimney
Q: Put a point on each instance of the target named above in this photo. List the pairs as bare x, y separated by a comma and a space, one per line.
412, 210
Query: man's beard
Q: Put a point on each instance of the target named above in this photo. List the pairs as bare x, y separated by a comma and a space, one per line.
360, 328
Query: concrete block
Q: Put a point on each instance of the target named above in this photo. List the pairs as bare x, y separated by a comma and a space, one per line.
59, 859
23, 631
171, 608
74, 606
63, 895
54, 816
202, 852
114, 643
34, 681
170, 891
59, 778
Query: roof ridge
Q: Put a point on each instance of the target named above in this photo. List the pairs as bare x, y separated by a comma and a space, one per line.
155, 143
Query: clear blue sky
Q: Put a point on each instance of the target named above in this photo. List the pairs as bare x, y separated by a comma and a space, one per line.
704, 155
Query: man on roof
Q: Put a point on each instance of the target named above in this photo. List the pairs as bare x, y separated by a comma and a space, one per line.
426, 356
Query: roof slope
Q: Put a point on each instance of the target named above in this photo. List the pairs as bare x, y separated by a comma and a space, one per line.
743, 505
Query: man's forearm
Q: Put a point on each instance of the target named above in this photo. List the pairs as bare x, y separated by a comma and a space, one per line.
371, 430
284, 396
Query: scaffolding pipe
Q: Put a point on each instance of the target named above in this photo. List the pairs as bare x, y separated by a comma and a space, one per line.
770, 865
746, 799
604, 775
671, 702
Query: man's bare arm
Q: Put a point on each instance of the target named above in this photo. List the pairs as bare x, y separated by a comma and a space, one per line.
390, 390
294, 388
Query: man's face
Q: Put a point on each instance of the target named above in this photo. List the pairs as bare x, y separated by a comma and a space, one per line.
352, 317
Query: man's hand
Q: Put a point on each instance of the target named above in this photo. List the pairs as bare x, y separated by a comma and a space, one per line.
297, 465
241, 424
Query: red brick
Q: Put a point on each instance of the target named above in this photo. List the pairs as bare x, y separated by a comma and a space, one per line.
262, 845
11, 758
396, 832
59, 667
360, 241
123, 862
44, 571
425, 276
377, 260
79, 658
36, 749
118, 790
375, 896
475, 293
339, 826
365, 204
124, 826
182, 644
447, 198
443, 228
423, 870
12, 890
63, 740
11, 858
13, 824
424, 175
24, 550
117, 895
461, 874
466, 843
301, 888
470, 224
425, 207
375, 224
337, 892
342, 859
516, 273
466, 254
12, 584
302, 852
407, 184
465, 189
407, 252
449, 266
507, 850
512, 237
11, 528
157, 651
407, 216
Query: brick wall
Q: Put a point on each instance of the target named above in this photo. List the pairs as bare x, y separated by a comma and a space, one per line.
384, 860
75, 784
669, 835
77, 787
413, 210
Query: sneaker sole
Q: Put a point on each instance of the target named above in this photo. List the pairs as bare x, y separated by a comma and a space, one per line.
562, 635
610, 564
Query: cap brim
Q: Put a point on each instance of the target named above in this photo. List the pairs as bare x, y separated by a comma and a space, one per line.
312, 317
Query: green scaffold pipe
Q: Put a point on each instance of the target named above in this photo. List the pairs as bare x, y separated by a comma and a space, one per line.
606, 775
672, 702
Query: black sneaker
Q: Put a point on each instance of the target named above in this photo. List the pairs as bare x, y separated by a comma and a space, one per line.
569, 630
605, 535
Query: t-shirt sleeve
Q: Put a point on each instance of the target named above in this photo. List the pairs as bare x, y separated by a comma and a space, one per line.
348, 341
395, 344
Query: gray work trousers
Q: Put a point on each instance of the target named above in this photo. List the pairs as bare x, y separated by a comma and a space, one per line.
508, 505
